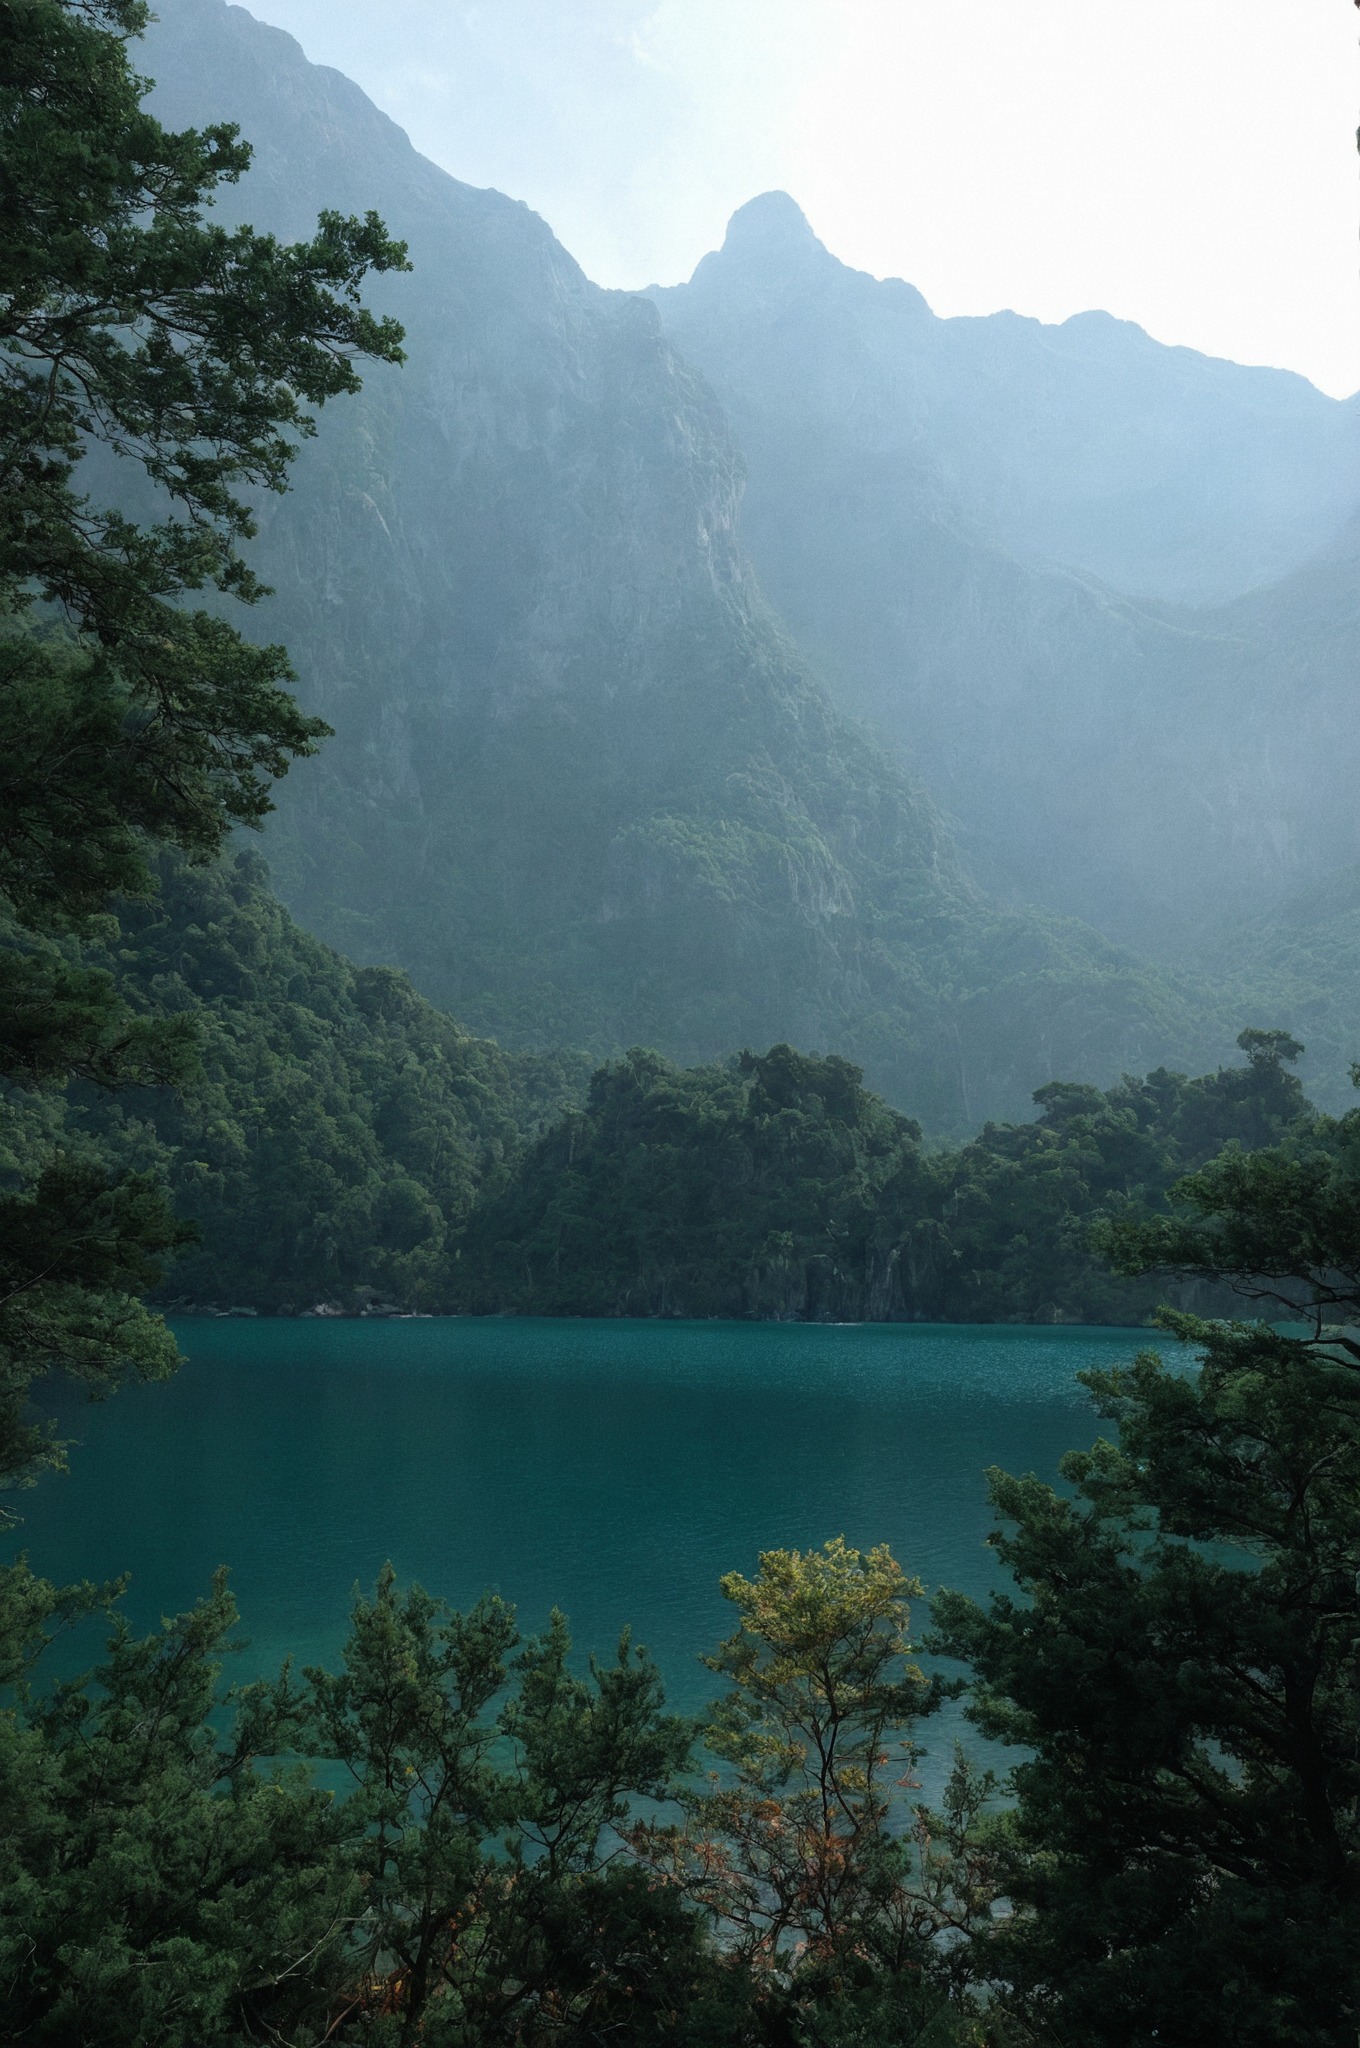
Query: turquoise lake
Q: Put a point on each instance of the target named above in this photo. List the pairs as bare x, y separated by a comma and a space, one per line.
613, 1468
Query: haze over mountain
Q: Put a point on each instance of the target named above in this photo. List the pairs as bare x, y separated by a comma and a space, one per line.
1158, 470
949, 512
583, 787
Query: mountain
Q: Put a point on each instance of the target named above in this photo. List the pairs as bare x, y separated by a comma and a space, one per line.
583, 786
933, 504
1156, 470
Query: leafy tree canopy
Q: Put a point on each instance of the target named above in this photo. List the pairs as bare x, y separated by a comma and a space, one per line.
480, 1871
778, 1185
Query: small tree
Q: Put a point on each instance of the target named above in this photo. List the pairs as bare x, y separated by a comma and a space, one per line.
814, 1734
850, 1906
489, 1791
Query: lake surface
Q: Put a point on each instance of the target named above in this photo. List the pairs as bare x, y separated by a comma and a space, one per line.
613, 1468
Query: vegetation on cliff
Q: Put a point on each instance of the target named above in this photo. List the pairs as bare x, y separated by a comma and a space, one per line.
335, 1130
1101, 593
583, 786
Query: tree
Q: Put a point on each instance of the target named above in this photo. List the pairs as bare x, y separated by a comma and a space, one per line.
162, 1881
832, 1890
1184, 1659
814, 1734
155, 1883
486, 1843
190, 352
139, 343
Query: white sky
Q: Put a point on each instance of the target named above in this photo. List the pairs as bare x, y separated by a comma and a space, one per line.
1189, 164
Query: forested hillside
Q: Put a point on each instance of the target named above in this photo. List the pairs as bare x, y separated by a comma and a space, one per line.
777, 1186
340, 1144
334, 1131
583, 788
988, 533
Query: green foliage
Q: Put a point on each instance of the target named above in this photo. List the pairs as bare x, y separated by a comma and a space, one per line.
813, 1734
77, 1249
490, 1865
853, 1925
192, 352
156, 1885
777, 1185
161, 1883
488, 1836
338, 1129
704, 1191
1279, 1223
80, 1240
1017, 1233
132, 332
1181, 1659
340, 1142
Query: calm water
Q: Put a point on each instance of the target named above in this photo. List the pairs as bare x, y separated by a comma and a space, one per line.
613, 1468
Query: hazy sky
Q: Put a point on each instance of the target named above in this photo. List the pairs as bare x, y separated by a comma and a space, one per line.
1190, 164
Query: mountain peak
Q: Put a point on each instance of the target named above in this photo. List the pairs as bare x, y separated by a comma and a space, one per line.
772, 221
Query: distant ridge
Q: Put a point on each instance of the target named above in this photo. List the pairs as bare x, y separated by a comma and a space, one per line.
1161, 471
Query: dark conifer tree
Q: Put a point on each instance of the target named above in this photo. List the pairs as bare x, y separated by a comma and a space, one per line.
1183, 1658
136, 334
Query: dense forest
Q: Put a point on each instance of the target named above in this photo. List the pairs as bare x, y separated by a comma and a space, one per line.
336, 1130
460, 1836
776, 1185
341, 1144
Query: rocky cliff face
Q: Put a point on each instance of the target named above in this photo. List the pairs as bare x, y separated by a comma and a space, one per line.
1157, 470
583, 786
1160, 770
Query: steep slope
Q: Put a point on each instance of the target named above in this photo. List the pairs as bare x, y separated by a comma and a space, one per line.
1157, 470
1302, 960
582, 787
338, 1129
1159, 770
